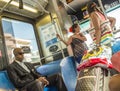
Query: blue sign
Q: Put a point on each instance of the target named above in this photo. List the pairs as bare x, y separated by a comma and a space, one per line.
50, 42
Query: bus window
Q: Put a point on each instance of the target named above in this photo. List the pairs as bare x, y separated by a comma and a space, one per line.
20, 34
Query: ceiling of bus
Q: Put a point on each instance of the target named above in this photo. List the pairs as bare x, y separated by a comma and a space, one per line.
39, 5
76, 5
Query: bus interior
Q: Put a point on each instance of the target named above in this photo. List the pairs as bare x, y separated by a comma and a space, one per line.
33, 24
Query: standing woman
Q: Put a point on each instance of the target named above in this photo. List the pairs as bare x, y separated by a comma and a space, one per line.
102, 33
77, 42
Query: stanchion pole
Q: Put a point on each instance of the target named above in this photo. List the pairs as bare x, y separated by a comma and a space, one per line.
59, 41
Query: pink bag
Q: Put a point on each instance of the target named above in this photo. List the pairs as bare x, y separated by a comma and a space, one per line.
102, 62
115, 59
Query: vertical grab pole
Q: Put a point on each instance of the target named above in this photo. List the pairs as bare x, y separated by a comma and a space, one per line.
59, 41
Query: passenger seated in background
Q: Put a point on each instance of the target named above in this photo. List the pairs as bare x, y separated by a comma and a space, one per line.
24, 76
77, 42
114, 83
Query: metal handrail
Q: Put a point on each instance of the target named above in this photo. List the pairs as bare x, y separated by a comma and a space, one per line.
49, 56
5, 6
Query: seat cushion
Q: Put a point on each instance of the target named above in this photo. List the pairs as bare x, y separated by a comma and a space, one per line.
50, 68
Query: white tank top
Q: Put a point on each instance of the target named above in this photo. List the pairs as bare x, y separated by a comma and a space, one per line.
106, 31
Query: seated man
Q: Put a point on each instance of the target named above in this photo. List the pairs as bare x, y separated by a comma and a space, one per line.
25, 78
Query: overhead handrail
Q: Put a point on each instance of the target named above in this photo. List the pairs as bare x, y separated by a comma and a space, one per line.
49, 56
68, 6
5, 6
38, 2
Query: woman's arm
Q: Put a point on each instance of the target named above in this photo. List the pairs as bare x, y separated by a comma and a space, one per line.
82, 37
112, 21
66, 43
96, 24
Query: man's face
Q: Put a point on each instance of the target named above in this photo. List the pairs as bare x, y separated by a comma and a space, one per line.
19, 55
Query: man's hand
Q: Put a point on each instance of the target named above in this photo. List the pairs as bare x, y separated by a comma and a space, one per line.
43, 80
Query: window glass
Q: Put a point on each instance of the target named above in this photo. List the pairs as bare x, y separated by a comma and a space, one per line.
116, 14
20, 34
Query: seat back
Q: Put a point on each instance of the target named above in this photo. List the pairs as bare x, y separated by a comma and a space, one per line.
5, 83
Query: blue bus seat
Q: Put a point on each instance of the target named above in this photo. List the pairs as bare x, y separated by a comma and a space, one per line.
50, 88
5, 83
50, 68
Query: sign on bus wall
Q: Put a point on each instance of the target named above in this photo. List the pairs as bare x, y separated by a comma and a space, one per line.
48, 39
26, 49
48, 34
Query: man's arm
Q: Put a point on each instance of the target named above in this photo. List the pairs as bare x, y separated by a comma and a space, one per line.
33, 70
14, 77
37, 75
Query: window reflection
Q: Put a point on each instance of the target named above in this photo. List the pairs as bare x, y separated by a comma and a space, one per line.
115, 13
